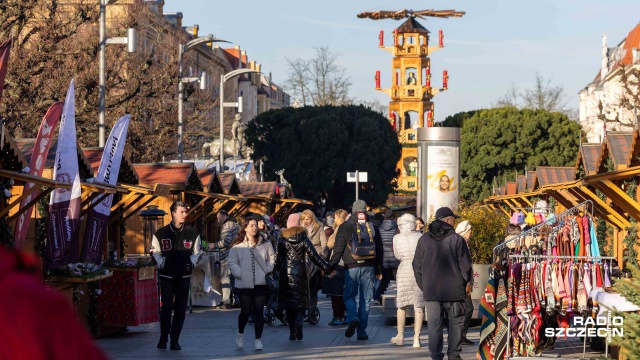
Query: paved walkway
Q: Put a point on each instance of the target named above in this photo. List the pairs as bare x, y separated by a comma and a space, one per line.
210, 334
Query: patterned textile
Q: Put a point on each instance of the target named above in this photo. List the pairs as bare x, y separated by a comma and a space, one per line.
502, 322
487, 309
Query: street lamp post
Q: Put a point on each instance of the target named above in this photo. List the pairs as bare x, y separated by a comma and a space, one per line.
238, 104
203, 81
132, 45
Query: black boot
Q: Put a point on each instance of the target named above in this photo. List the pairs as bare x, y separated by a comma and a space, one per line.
292, 327
162, 344
175, 345
299, 331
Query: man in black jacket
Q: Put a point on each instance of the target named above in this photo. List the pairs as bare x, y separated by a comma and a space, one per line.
176, 249
360, 274
443, 270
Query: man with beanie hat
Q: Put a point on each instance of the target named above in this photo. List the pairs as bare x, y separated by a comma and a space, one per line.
442, 267
359, 274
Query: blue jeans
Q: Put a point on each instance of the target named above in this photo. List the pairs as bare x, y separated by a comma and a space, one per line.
358, 280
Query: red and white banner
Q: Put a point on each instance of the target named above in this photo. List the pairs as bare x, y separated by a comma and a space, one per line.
64, 208
36, 165
4, 62
96, 226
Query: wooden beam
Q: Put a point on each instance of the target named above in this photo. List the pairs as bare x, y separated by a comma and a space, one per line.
612, 175
124, 208
134, 211
619, 197
195, 208
608, 213
88, 199
31, 203
94, 204
124, 199
22, 196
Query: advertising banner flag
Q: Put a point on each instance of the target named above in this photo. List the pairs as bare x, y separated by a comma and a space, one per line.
96, 226
64, 208
36, 165
4, 63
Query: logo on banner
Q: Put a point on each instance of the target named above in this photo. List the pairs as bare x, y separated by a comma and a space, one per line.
187, 244
65, 178
166, 244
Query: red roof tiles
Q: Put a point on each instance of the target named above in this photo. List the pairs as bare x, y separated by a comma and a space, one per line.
173, 174
590, 154
619, 144
229, 183
548, 175
511, 188
267, 188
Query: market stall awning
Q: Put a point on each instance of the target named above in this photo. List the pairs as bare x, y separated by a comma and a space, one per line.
136, 198
47, 185
605, 183
571, 193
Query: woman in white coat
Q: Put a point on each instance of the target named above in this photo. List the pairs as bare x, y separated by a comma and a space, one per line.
251, 257
404, 248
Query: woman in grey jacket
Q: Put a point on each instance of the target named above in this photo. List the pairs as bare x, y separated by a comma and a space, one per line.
251, 257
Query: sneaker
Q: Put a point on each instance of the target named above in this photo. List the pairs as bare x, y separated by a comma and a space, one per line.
344, 322
363, 337
175, 346
258, 344
239, 340
335, 322
353, 325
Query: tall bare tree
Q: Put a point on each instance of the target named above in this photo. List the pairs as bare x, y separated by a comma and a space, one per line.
543, 95
628, 99
55, 41
319, 81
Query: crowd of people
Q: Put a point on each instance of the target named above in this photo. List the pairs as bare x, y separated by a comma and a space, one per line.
350, 257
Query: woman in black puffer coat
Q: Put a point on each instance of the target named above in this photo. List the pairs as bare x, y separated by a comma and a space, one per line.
292, 251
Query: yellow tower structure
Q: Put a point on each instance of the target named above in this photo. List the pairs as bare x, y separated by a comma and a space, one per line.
411, 93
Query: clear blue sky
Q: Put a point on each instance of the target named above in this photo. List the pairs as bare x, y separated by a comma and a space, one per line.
494, 44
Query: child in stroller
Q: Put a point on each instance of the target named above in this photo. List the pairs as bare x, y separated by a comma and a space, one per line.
273, 312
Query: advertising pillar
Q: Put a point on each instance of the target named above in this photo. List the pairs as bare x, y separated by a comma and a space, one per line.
439, 177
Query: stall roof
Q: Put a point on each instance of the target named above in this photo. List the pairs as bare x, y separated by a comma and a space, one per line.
229, 183
511, 188
589, 155
548, 175
127, 172
532, 180
12, 157
26, 147
175, 175
267, 188
619, 144
521, 180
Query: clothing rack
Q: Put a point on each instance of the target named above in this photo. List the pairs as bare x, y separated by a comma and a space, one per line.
551, 257
534, 230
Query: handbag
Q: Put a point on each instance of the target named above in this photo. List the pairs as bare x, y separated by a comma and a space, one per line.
270, 279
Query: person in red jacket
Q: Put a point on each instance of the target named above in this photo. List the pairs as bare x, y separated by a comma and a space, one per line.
37, 322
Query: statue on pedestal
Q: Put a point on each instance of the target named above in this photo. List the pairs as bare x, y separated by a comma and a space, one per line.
233, 148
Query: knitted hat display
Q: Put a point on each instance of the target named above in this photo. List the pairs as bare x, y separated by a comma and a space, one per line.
520, 218
530, 219
514, 218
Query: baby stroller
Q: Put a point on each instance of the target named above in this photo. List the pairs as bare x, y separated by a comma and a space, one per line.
272, 312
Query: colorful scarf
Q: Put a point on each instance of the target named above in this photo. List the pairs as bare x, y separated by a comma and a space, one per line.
487, 309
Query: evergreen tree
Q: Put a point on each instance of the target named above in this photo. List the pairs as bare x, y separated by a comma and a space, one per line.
630, 290
317, 146
495, 143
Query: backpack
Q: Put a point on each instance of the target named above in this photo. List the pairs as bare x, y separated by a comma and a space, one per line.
362, 243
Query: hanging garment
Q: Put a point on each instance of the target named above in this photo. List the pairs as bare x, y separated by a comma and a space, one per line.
487, 309
607, 274
501, 339
586, 277
595, 248
582, 294
586, 230
551, 285
580, 251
